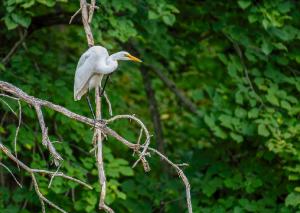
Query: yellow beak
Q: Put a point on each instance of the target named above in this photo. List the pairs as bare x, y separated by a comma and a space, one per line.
132, 58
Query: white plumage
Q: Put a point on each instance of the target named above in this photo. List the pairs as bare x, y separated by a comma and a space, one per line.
93, 65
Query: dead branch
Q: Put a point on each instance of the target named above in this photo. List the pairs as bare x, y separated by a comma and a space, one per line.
100, 130
91, 10
181, 175
75, 14
33, 172
108, 103
18, 127
154, 111
15, 47
147, 142
18, 94
85, 21
187, 103
45, 138
240, 54
12, 174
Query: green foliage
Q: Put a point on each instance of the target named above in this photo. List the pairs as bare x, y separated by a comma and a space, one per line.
238, 61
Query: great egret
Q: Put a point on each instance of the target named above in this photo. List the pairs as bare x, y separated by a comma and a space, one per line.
92, 66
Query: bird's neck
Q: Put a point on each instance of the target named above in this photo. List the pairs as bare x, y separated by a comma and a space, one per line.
108, 65
115, 56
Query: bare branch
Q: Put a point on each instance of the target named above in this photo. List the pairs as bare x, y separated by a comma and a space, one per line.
18, 127
9, 107
85, 18
60, 174
75, 14
240, 54
142, 125
14, 48
99, 125
100, 130
1, 164
181, 175
45, 138
91, 11
154, 111
108, 104
32, 172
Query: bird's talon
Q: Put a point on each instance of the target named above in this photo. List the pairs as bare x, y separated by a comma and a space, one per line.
103, 122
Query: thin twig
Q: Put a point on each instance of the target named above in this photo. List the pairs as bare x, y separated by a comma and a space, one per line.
1, 164
35, 183
9, 107
60, 174
18, 128
9, 88
142, 125
45, 138
108, 104
240, 54
75, 14
182, 177
14, 48
138, 142
91, 10
53, 176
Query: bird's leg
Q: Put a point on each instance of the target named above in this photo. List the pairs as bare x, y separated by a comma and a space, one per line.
105, 82
90, 105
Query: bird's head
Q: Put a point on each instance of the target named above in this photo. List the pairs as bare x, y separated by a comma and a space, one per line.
125, 56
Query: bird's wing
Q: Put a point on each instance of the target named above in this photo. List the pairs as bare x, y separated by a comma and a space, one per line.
83, 58
84, 71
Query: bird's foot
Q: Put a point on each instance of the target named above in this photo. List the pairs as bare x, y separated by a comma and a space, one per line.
101, 121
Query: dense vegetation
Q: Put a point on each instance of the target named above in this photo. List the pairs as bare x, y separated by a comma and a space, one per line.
237, 61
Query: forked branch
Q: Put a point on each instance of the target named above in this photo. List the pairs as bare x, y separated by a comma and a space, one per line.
17, 94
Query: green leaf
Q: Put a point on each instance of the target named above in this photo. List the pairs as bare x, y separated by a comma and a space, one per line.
28, 4
285, 7
239, 98
10, 24
226, 121
209, 120
244, 3
263, 131
238, 138
272, 99
286, 105
280, 46
152, 15
169, 19
240, 112
22, 20
2, 67
219, 132
127, 171
253, 113
49, 3
293, 199
211, 186
266, 47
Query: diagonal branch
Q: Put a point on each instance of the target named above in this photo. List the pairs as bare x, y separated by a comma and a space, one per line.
21, 95
154, 111
33, 172
187, 103
45, 138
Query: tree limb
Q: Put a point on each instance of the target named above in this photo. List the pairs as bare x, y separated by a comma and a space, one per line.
154, 111
21, 95
187, 103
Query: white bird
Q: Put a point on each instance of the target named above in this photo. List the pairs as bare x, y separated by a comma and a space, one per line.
93, 65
